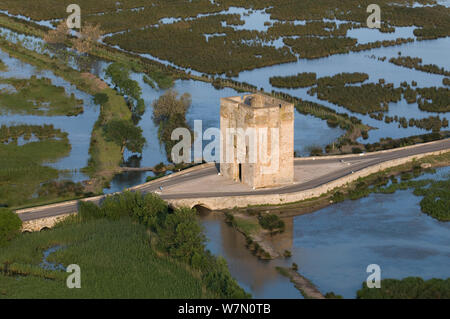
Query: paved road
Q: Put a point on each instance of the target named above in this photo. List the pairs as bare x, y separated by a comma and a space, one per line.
370, 159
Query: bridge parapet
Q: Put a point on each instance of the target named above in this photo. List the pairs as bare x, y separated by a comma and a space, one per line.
228, 202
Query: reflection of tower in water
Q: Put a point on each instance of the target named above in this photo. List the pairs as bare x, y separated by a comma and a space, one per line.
283, 241
258, 275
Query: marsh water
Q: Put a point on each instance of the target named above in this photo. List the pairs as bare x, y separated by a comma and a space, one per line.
79, 127
309, 131
45, 264
334, 245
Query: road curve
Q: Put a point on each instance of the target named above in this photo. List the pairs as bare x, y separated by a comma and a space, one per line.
371, 159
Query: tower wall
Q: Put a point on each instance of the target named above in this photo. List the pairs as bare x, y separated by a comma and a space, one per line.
256, 113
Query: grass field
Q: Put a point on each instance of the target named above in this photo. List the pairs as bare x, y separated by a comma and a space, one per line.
115, 258
106, 156
247, 225
22, 169
37, 97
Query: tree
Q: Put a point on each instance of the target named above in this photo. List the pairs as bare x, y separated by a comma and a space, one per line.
120, 77
125, 134
10, 225
118, 73
131, 88
169, 112
169, 105
101, 98
182, 235
271, 222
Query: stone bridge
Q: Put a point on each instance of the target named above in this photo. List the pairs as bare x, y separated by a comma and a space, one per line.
202, 186
42, 224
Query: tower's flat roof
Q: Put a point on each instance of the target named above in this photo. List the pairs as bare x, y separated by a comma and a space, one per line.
257, 100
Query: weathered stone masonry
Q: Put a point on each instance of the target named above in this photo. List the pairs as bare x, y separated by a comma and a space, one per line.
246, 156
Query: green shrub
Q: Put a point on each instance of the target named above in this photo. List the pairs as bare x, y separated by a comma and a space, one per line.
218, 279
101, 98
408, 288
338, 197
10, 225
88, 211
271, 222
181, 234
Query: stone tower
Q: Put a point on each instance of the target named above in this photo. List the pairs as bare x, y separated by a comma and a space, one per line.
257, 140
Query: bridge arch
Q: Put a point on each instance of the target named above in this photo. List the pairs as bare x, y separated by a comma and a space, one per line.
201, 208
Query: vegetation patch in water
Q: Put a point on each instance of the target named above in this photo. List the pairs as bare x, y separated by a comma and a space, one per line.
434, 99
436, 200
416, 63
436, 193
313, 48
369, 97
38, 97
300, 80
375, 97
180, 40
22, 167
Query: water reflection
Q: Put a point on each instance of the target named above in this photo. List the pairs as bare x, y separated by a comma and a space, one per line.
259, 278
334, 245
